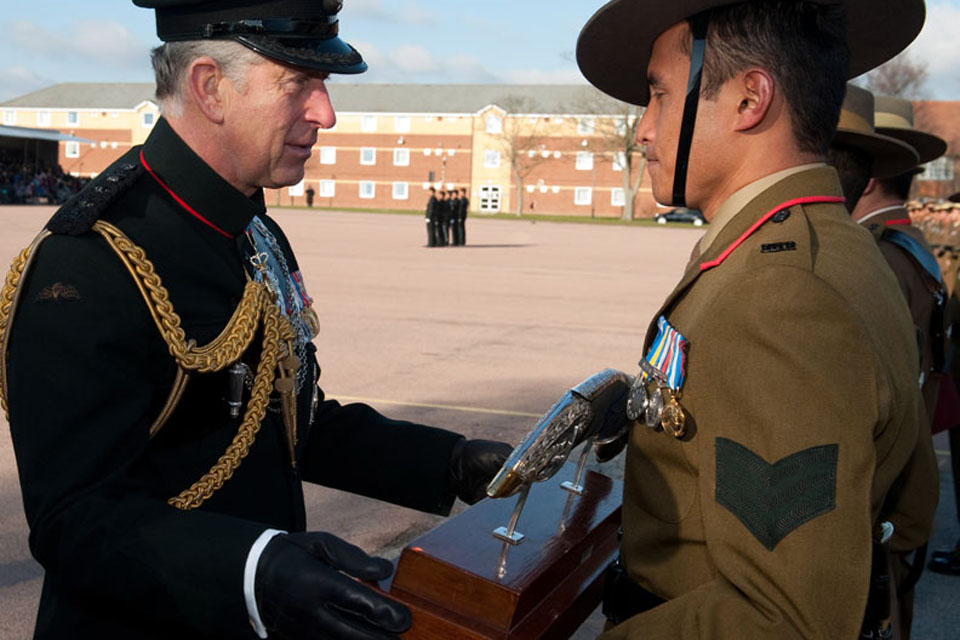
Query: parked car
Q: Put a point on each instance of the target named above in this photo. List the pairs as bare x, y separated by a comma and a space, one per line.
681, 214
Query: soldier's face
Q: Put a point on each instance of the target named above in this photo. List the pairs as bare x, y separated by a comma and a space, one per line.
271, 124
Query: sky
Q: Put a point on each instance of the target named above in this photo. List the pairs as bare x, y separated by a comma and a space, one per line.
43, 42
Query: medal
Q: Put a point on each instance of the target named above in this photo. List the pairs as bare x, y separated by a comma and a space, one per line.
672, 418
637, 399
653, 409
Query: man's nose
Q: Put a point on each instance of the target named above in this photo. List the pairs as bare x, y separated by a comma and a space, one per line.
318, 108
645, 128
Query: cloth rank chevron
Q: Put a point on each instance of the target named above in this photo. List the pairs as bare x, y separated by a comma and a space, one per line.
668, 354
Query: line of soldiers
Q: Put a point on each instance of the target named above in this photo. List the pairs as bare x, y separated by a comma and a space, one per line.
446, 217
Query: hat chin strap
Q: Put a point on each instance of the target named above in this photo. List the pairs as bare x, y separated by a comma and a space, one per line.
698, 27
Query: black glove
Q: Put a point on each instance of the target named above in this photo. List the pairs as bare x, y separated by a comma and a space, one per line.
304, 590
473, 464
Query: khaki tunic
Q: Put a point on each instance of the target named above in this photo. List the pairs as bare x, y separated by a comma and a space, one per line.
800, 344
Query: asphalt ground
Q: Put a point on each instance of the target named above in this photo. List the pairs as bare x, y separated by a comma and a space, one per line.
478, 339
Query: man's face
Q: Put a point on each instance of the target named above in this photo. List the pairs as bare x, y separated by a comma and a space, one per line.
271, 124
659, 129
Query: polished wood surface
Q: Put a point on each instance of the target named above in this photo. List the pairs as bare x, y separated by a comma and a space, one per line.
461, 582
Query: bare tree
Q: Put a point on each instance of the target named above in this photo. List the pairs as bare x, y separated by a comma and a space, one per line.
522, 142
615, 136
901, 77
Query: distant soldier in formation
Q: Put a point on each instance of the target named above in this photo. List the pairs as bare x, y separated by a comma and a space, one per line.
462, 216
431, 218
454, 217
876, 170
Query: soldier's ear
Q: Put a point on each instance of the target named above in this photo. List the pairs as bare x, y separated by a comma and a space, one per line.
756, 91
205, 84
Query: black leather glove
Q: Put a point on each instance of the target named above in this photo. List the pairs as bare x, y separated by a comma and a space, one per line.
304, 590
473, 464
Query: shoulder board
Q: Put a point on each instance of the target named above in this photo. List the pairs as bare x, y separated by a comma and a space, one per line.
78, 215
923, 257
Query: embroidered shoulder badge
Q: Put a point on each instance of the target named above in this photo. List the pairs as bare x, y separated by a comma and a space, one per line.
772, 500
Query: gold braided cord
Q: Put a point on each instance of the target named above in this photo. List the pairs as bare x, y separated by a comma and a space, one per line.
223, 350
276, 329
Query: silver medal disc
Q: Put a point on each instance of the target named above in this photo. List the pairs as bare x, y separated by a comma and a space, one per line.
637, 399
653, 409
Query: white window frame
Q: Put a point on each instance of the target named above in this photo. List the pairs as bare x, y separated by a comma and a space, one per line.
368, 124
73, 117
583, 196
72, 149
327, 189
401, 190
401, 124
617, 198
586, 126
489, 198
144, 116
939, 170
401, 157
494, 124
43, 118
491, 158
373, 153
9, 117
328, 155
372, 187
584, 160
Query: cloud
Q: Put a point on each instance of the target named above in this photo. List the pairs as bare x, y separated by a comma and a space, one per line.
410, 13
938, 47
17, 81
98, 42
414, 59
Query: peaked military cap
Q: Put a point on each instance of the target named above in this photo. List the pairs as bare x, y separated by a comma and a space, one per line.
614, 47
302, 33
889, 156
894, 117
955, 197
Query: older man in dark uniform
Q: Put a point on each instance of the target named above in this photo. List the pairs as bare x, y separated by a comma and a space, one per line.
160, 374
779, 416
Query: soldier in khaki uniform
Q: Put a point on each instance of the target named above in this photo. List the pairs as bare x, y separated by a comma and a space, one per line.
876, 168
779, 383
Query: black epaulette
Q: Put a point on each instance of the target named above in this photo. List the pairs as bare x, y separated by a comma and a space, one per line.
78, 215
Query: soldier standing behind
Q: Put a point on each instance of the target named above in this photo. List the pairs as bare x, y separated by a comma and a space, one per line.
431, 218
876, 170
443, 220
454, 215
782, 410
462, 217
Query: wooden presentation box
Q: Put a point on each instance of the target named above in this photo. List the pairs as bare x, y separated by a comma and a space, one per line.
462, 583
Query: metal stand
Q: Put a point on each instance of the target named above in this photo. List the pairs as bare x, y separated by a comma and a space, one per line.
575, 486
509, 533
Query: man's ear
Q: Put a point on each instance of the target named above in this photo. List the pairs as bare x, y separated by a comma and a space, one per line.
756, 92
206, 88
870, 188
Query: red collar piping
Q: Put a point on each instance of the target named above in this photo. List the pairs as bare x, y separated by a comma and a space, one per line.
179, 200
891, 223
704, 266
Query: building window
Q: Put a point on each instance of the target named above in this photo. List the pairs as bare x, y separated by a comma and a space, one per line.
43, 118
490, 198
491, 158
401, 157
148, 119
328, 155
368, 124
401, 124
327, 189
616, 197
585, 126
72, 117
368, 155
619, 161
72, 150
940, 170
583, 195
9, 118
584, 160
367, 189
400, 190
494, 124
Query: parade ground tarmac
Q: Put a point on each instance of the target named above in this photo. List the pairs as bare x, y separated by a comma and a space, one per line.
478, 339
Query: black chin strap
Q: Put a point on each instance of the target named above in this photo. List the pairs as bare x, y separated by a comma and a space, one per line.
698, 27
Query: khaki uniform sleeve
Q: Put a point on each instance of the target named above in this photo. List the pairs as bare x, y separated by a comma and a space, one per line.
787, 396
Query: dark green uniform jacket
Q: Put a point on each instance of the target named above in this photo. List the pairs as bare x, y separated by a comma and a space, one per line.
88, 374
803, 415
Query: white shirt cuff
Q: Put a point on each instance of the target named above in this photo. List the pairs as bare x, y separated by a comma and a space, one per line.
249, 580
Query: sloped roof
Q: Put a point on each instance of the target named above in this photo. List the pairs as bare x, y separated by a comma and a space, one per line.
358, 97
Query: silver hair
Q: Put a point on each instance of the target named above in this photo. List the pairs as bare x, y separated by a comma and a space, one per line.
171, 60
